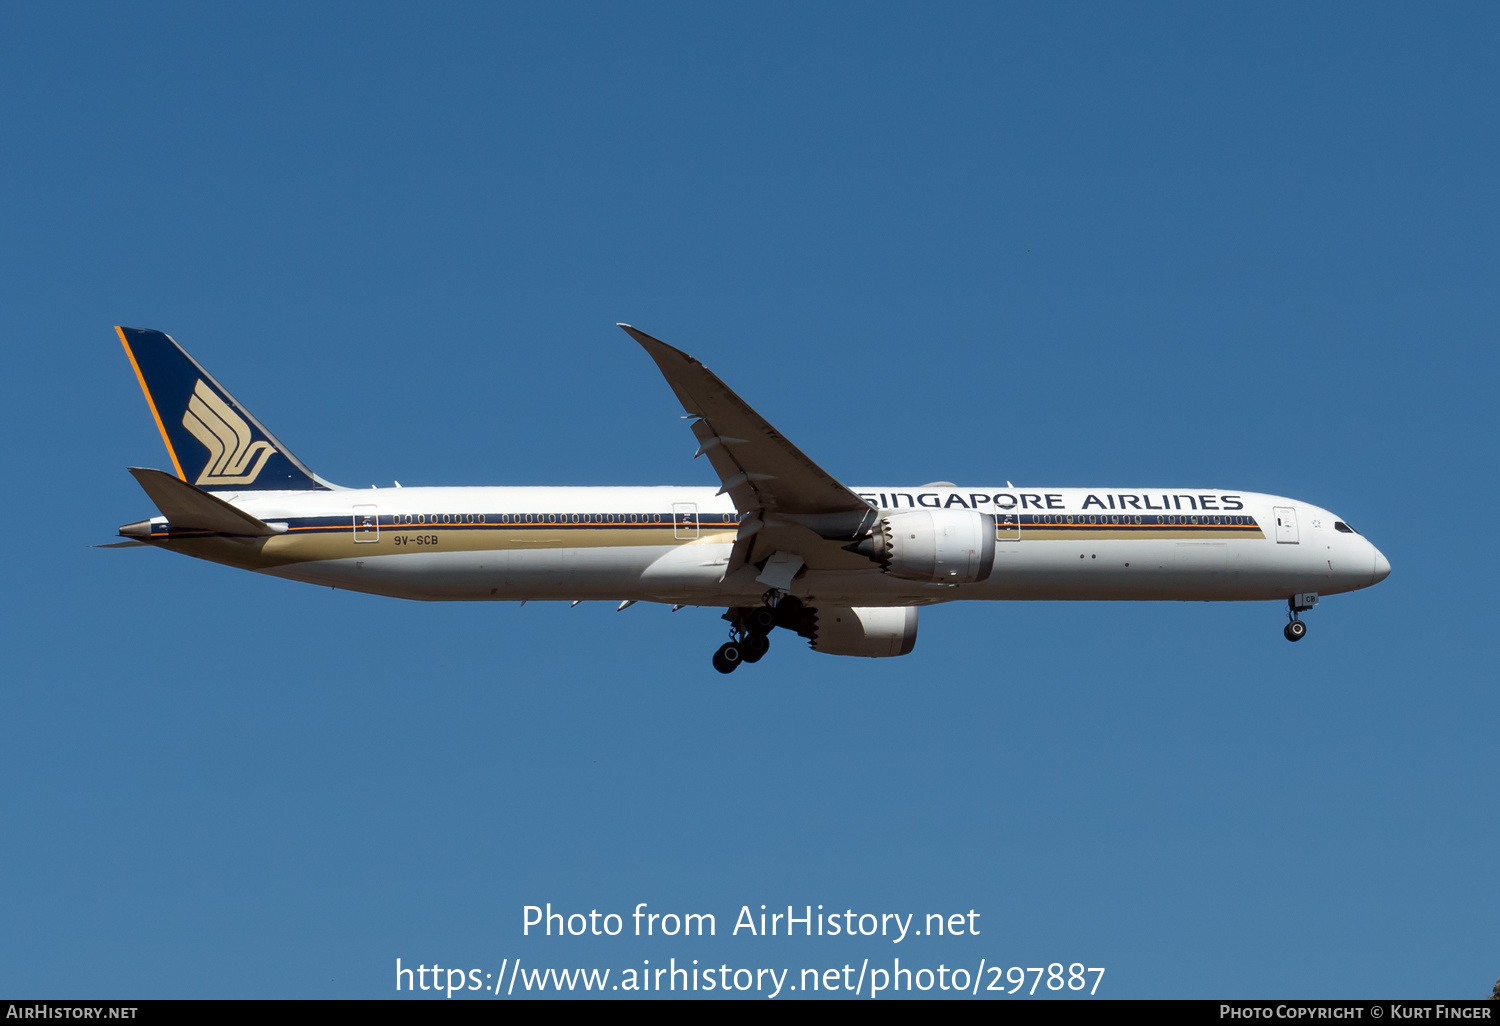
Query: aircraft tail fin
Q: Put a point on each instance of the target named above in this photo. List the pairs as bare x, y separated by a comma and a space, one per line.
215, 443
186, 506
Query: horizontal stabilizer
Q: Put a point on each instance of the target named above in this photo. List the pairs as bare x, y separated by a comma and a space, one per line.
186, 506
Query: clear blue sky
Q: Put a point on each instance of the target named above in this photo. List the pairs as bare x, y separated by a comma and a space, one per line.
1248, 246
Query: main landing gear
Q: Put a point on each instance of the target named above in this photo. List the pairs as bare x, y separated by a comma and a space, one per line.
750, 630
1296, 630
747, 649
729, 656
749, 636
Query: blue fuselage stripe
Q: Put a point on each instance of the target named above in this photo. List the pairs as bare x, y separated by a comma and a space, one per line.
1023, 523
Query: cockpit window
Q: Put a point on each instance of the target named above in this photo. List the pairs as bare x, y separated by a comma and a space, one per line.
1343, 528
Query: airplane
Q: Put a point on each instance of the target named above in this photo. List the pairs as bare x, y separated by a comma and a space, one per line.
780, 543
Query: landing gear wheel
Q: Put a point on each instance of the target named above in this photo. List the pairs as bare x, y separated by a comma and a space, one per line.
729, 655
1295, 630
755, 646
760, 621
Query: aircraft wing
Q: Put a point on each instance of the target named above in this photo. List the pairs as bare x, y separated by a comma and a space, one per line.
757, 466
791, 508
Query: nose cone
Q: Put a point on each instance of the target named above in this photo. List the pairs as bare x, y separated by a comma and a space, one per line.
1382, 567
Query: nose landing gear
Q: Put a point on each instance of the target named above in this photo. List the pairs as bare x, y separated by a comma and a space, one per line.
1296, 630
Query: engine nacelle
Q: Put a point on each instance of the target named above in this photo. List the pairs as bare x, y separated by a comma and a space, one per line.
873, 631
943, 546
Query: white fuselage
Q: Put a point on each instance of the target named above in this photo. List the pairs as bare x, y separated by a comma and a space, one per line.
671, 544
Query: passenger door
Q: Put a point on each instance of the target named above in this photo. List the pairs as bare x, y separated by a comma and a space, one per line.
366, 523
684, 520
1286, 524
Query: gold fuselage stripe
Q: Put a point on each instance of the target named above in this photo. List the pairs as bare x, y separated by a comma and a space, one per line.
313, 543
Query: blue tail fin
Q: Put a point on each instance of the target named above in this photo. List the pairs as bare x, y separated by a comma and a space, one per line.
215, 443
